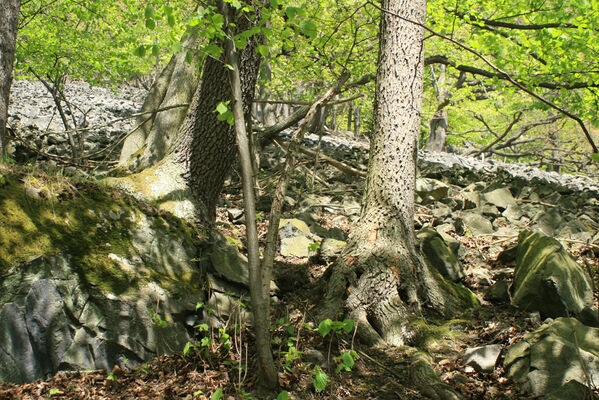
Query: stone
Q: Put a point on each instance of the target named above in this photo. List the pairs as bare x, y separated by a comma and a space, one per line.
513, 213
441, 211
500, 198
228, 262
330, 249
482, 358
476, 224
547, 279
550, 357
547, 221
293, 227
298, 246
498, 292
439, 255
431, 189
236, 215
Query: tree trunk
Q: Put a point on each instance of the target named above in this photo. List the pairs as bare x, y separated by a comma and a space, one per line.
438, 126
207, 147
155, 137
9, 15
380, 278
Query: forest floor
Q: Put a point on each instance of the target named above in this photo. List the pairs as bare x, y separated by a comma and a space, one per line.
224, 366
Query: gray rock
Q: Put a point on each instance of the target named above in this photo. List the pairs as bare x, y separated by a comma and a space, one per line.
498, 292
545, 360
500, 198
431, 189
483, 358
298, 246
547, 221
475, 223
548, 280
330, 249
439, 255
228, 262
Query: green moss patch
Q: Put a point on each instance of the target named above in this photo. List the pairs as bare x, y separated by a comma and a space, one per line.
93, 225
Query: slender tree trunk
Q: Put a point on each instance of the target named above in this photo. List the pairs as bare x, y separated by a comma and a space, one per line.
9, 21
380, 278
260, 301
207, 147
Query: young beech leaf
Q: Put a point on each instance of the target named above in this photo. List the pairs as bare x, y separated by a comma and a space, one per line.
263, 50
283, 395
150, 23
140, 51
308, 28
324, 328
320, 379
595, 157
171, 20
149, 12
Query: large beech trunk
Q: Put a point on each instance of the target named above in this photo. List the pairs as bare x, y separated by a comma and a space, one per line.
154, 139
207, 148
380, 277
9, 20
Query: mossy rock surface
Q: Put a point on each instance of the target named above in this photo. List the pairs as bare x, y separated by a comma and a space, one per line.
547, 279
89, 278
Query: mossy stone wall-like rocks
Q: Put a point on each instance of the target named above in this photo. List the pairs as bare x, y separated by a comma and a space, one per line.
548, 280
89, 278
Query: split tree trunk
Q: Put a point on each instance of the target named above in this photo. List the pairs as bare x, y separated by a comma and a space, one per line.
207, 147
9, 21
380, 278
154, 139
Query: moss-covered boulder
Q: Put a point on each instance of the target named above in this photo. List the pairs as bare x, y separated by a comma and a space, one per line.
548, 280
547, 359
439, 255
89, 278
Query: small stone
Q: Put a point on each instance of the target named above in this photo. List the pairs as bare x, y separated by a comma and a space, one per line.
483, 358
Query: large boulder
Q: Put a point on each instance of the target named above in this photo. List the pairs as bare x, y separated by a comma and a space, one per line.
548, 280
556, 360
89, 279
439, 255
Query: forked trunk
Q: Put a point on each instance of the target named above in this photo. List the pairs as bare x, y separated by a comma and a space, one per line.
207, 148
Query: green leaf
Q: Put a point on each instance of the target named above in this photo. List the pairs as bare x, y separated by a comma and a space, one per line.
150, 23
217, 395
149, 12
170, 20
221, 108
347, 359
291, 12
140, 51
595, 156
187, 348
320, 379
155, 50
308, 28
348, 325
274, 3
283, 395
263, 50
324, 328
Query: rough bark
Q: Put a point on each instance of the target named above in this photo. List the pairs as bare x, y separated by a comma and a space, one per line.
9, 15
380, 278
176, 84
207, 146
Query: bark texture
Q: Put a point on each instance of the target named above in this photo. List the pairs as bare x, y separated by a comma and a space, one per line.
207, 148
9, 21
380, 278
176, 84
